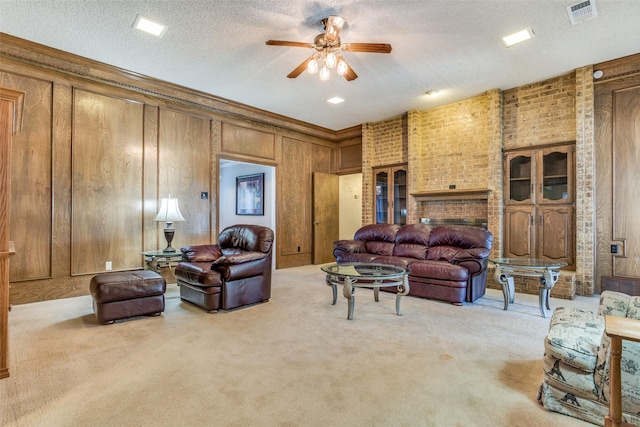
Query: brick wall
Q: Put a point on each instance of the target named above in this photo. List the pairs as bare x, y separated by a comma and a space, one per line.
383, 143
462, 144
540, 113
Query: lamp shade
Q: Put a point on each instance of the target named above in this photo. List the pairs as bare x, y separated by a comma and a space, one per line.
169, 211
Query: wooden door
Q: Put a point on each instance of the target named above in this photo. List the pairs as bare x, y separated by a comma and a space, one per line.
326, 211
11, 106
519, 232
556, 236
626, 178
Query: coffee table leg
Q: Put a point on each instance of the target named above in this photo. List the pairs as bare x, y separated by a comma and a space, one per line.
334, 288
508, 286
544, 300
547, 281
402, 291
348, 290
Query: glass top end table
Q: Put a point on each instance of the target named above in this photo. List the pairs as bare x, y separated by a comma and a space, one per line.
547, 271
158, 258
365, 275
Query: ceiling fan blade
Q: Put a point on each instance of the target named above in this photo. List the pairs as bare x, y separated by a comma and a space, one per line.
350, 74
332, 28
367, 47
300, 68
286, 43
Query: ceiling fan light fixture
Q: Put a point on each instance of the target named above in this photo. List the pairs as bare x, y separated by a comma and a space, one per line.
331, 60
324, 73
312, 66
332, 27
342, 67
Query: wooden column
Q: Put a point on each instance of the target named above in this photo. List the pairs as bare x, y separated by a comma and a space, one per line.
11, 107
618, 328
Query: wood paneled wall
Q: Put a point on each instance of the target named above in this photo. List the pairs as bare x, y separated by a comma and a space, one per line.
102, 146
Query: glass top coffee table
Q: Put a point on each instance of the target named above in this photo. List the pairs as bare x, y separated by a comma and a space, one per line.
365, 275
547, 271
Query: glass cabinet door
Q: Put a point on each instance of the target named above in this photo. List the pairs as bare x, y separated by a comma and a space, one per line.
400, 197
520, 179
382, 199
554, 186
391, 195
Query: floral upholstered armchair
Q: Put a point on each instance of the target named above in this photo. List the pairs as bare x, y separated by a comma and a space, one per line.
576, 362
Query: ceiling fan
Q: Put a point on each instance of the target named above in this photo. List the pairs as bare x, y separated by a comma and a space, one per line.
327, 45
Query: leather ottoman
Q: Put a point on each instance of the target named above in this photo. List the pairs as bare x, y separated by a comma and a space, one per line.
128, 294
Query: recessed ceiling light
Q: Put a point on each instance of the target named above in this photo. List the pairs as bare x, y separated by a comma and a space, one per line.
431, 92
518, 37
143, 24
335, 100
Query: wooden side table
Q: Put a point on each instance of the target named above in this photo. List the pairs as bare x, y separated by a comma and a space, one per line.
618, 328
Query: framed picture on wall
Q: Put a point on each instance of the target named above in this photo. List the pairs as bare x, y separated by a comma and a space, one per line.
250, 194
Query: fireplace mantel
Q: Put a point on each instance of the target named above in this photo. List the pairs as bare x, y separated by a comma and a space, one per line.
452, 195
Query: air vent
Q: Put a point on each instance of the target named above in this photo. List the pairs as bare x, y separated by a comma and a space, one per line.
582, 11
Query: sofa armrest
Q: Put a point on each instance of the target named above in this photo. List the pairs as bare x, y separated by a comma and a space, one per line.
349, 246
474, 265
574, 337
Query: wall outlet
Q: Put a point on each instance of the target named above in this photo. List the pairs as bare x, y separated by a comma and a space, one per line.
108, 266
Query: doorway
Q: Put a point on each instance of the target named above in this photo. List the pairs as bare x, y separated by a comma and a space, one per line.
229, 171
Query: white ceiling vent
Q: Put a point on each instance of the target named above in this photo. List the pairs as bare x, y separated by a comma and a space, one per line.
582, 11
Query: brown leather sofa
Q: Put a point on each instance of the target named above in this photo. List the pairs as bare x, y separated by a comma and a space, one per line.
234, 272
447, 263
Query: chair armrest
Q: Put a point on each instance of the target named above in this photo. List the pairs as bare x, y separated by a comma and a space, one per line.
242, 265
239, 258
575, 337
201, 253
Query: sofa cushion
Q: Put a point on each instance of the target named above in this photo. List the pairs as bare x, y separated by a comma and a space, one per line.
378, 239
412, 240
441, 270
461, 236
379, 248
394, 260
574, 337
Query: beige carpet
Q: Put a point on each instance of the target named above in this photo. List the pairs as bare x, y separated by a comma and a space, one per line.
294, 361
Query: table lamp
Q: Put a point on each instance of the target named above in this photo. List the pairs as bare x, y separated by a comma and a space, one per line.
170, 213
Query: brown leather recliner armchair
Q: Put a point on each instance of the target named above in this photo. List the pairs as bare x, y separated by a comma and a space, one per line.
234, 272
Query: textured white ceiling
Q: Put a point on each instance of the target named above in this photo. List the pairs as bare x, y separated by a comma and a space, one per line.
219, 47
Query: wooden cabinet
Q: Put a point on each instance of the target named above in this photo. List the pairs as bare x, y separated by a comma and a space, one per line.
539, 204
390, 183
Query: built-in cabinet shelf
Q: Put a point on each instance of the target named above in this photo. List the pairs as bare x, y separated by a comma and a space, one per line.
539, 204
390, 183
